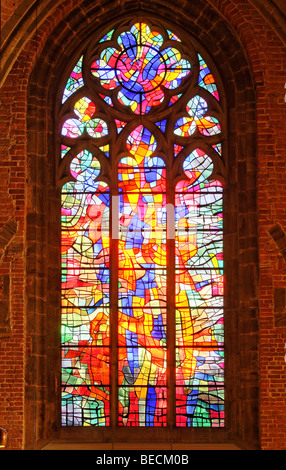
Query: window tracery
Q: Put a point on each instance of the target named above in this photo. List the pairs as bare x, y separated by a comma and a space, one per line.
142, 311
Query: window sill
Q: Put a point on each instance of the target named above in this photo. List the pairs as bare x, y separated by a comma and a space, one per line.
68, 445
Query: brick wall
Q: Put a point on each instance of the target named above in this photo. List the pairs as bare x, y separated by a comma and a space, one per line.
23, 300
13, 170
266, 55
8, 7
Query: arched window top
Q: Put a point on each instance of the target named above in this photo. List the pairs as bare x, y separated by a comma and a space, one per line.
141, 66
141, 69
141, 133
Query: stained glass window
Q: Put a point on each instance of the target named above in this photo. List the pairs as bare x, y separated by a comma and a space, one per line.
142, 234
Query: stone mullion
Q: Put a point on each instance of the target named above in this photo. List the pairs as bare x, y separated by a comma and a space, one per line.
113, 270
171, 312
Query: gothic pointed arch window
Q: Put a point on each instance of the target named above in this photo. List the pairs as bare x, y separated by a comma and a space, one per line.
141, 147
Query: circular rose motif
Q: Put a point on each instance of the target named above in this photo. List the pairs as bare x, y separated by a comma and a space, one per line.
145, 72
142, 68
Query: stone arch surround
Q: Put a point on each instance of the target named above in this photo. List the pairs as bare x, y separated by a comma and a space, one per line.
27, 15
42, 386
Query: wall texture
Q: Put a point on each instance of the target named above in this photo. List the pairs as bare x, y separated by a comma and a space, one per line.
37, 40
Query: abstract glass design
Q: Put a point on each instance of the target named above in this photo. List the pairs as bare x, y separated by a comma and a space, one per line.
199, 296
197, 119
84, 110
206, 78
85, 296
141, 67
142, 284
142, 235
75, 81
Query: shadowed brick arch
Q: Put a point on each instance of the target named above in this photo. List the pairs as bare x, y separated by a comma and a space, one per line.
221, 44
27, 14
